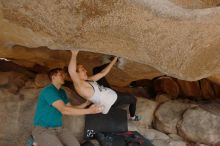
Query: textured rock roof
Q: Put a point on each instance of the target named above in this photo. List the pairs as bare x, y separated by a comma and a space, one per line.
178, 37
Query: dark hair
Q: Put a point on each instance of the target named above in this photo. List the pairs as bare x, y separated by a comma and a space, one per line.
53, 72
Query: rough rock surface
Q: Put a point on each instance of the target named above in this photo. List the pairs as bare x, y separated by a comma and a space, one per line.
168, 114
206, 123
145, 110
152, 134
139, 31
197, 4
16, 112
158, 142
189, 89
41, 80
167, 85
161, 98
197, 90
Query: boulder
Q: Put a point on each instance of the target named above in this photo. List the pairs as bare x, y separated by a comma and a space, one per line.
16, 121
200, 126
153, 134
31, 93
145, 109
12, 80
207, 89
169, 142
41, 80
168, 114
161, 98
167, 85
189, 89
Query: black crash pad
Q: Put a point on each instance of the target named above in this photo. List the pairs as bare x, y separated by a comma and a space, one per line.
114, 121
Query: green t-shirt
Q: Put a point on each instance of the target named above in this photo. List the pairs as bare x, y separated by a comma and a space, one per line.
46, 115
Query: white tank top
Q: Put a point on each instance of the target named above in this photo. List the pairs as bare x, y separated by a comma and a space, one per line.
103, 96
